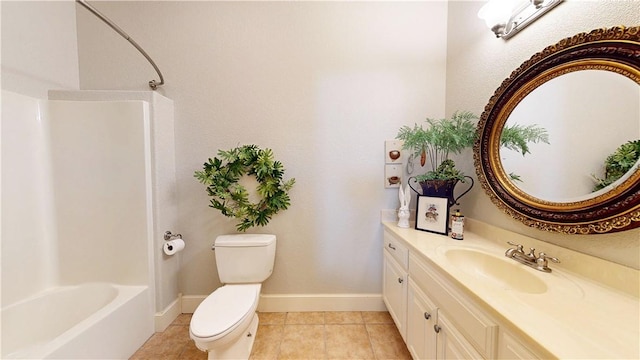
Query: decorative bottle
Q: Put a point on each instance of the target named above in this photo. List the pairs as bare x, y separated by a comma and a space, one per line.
457, 225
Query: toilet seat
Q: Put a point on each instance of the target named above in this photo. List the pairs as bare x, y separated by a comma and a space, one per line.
224, 310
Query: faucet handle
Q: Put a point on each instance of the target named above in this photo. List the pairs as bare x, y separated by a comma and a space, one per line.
542, 262
518, 246
544, 256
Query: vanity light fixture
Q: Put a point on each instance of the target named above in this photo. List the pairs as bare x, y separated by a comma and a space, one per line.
506, 17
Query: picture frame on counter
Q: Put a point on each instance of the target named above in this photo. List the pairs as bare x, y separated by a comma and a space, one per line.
432, 213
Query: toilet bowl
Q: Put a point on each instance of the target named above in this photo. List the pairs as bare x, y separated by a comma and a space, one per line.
225, 323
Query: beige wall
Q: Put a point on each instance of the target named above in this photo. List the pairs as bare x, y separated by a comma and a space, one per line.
321, 83
39, 47
477, 63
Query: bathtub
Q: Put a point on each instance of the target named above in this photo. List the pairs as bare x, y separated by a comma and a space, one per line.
88, 321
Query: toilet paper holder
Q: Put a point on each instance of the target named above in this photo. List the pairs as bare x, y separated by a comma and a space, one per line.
169, 236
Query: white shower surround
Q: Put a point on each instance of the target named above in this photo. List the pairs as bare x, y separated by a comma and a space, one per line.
163, 189
78, 207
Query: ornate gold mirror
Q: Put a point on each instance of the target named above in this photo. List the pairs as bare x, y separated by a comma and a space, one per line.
585, 90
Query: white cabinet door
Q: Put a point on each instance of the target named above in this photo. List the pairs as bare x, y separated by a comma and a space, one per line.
475, 325
422, 315
451, 344
512, 348
394, 292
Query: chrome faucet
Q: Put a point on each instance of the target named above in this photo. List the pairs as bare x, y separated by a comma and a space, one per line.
539, 262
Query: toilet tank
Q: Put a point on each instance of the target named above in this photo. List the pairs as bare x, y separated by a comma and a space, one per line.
245, 258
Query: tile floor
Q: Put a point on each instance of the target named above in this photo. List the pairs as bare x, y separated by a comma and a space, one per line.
295, 335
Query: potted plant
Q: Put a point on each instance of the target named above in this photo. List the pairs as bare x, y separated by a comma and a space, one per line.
222, 175
618, 164
517, 137
437, 141
444, 137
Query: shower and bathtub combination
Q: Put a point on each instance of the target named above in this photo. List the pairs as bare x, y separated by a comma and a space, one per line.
84, 207
88, 321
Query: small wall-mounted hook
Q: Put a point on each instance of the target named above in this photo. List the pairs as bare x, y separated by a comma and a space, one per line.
169, 236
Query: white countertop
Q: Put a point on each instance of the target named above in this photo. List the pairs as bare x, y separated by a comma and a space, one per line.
574, 319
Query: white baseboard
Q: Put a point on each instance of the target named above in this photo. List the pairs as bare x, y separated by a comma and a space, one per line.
321, 302
165, 317
191, 302
304, 302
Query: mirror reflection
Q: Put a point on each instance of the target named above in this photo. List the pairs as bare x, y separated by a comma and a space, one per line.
589, 78
587, 114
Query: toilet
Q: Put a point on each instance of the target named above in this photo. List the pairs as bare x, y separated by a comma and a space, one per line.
225, 323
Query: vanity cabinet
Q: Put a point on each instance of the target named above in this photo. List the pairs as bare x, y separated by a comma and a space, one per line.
471, 307
422, 315
436, 319
395, 292
431, 330
467, 328
451, 344
510, 347
430, 333
394, 285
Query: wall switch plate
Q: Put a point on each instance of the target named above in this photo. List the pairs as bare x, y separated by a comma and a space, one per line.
393, 153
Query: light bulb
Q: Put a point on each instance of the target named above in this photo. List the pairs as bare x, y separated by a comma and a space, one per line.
496, 14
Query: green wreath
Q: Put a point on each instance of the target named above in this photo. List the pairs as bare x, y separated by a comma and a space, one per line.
221, 175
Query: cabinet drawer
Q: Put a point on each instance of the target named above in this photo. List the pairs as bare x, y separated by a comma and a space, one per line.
399, 252
469, 319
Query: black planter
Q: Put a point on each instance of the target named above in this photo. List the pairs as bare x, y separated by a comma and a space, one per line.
440, 188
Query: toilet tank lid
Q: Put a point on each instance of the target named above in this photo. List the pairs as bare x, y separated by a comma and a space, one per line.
240, 240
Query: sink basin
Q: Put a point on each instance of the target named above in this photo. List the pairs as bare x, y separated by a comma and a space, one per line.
500, 271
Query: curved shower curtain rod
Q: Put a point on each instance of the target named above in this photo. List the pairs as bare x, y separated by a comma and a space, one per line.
153, 84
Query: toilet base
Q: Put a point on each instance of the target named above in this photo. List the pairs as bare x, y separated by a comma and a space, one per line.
241, 348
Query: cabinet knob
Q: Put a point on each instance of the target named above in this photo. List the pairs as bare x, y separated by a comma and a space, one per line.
436, 328
392, 247
400, 280
427, 316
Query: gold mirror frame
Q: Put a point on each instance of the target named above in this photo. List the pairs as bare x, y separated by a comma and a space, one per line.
614, 49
